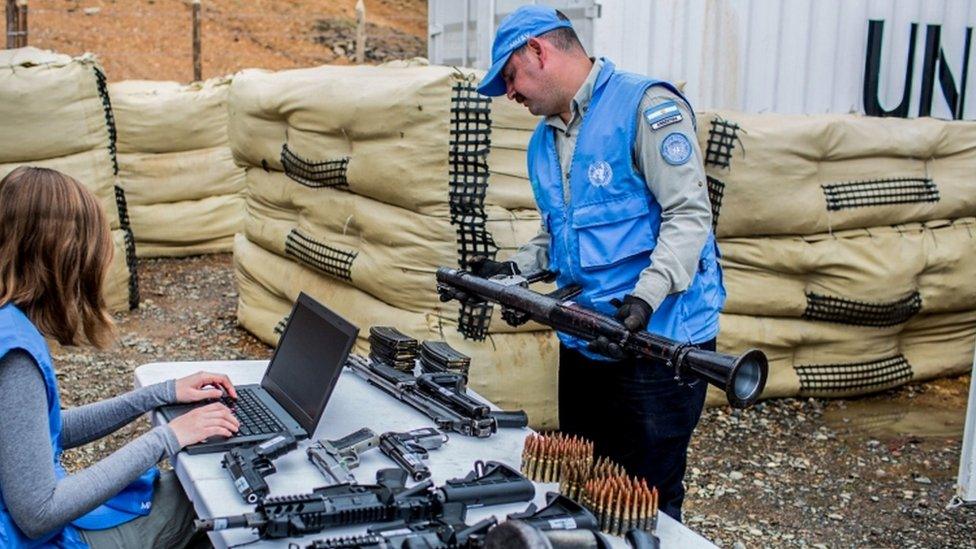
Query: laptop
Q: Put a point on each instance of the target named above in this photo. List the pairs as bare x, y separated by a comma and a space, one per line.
296, 386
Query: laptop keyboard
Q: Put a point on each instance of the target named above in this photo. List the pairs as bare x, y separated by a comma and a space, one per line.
254, 417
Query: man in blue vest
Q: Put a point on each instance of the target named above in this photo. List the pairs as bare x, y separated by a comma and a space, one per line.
618, 178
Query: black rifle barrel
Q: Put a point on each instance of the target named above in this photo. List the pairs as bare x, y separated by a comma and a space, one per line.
741, 378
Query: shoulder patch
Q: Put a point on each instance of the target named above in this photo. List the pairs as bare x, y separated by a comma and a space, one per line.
662, 115
676, 149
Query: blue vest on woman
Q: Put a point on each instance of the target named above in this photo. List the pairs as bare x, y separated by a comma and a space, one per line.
17, 332
604, 237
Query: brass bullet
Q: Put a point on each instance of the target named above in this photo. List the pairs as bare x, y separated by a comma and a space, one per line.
627, 519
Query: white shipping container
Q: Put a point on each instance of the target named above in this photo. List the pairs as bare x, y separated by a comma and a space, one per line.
786, 56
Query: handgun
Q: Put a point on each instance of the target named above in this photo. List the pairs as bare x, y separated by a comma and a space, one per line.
335, 458
410, 449
249, 465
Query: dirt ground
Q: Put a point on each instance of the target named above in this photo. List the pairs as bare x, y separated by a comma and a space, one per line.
875, 471
151, 39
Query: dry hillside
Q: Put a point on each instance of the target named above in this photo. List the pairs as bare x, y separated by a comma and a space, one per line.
151, 39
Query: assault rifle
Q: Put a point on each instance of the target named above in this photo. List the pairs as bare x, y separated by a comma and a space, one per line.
446, 532
441, 396
562, 523
389, 500
741, 378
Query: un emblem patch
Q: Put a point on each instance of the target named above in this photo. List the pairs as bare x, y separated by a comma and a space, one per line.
676, 149
600, 173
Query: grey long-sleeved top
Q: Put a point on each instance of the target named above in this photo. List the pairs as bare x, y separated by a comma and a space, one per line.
37, 500
686, 215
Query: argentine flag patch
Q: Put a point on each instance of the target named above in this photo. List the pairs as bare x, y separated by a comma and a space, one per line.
663, 115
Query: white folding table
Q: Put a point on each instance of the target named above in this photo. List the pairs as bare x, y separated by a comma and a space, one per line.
354, 404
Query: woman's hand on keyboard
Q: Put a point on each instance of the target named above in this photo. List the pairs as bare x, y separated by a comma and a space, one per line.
204, 422
203, 386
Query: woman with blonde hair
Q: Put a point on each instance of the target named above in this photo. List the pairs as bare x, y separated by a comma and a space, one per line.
55, 251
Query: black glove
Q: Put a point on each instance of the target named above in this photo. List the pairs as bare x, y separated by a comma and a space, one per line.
480, 265
603, 346
514, 318
633, 312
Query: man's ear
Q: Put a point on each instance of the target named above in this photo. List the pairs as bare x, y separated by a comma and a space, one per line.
538, 50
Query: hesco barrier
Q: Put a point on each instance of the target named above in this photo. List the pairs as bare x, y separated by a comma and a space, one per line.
772, 174
361, 182
811, 358
847, 246
384, 250
57, 114
186, 195
861, 277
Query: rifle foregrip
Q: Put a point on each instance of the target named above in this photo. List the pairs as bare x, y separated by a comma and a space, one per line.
514, 419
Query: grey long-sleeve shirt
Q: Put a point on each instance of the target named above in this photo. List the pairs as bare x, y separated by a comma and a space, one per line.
686, 215
38, 501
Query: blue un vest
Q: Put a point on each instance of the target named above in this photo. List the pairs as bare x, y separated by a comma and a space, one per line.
17, 332
603, 239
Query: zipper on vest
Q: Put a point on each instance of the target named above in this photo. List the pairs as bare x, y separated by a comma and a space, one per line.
563, 204
595, 96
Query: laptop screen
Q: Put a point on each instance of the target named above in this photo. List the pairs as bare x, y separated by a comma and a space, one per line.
306, 365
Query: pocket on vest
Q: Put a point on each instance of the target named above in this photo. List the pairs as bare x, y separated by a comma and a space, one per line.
610, 232
707, 289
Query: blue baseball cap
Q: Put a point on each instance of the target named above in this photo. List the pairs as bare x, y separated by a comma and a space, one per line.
135, 500
513, 32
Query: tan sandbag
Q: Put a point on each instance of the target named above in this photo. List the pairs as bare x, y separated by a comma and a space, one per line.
224, 244
873, 276
150, 178
386, 251
940, 345
506, 114
773, 174
511, 128
508, 182
401, 63
117, 284
512, 370
56, 114
166, 117
393, 128
194, 224
408, 130
51, 105
93, 169
183, 187
444, 313
811, 358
